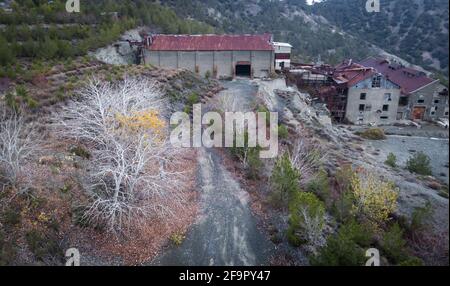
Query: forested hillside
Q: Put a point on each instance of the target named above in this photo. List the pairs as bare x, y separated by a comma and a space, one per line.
414, 30
43, 30
287, 20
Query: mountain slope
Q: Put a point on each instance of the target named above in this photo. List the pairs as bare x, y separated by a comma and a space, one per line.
289, 21
415, 30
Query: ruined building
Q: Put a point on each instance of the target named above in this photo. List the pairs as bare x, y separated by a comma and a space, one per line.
218, 56
373, 91
370, 97
422, 98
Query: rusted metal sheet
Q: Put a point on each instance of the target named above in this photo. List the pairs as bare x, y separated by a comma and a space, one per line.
408, 79
211, 43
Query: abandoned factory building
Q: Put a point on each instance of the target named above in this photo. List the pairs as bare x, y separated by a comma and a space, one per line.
218, 56
422, 98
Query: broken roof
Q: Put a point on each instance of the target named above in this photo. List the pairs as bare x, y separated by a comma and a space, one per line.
409, 80
349, 73
211, 43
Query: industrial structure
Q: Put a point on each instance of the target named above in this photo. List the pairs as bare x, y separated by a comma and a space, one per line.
422, 98
282, 55
218, 56
373, 91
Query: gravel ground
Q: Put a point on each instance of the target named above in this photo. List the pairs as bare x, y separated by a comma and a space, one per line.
403, 147
226, 231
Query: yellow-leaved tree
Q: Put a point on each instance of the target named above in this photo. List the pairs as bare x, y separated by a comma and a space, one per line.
375, 200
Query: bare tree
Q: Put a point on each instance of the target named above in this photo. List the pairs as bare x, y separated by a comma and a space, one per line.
307, 157
18, 142
227, 102
312, 225
129, 177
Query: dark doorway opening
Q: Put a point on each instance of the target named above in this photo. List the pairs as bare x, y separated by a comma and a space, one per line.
243, 69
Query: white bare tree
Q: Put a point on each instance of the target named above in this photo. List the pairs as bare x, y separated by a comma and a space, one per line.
227, 102
18, 143
129, 177
312, 225
307, 157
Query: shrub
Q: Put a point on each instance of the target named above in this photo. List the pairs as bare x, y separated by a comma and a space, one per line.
372, 134
11, 217
419, 163
11, 101
192, 99
339, 251
32, 103
391, 160
411, 261
342, 206
7, 250
174, 96
208, 74
254, 163
343, 249
80, 152
42, 246
420, 216
283, 132
374, 199
361, 234
21, 91
284, 180
177, 238
393, 244
306, 219
320, 185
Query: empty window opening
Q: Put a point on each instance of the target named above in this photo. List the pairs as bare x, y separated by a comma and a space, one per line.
243, 69
376, 81
384, 117
403, 101
362, 107
385, 107
363, 96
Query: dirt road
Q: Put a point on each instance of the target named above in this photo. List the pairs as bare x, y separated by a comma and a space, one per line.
226, 231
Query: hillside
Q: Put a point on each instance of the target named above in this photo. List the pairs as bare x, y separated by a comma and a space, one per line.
414, 30
335, 30
289, 21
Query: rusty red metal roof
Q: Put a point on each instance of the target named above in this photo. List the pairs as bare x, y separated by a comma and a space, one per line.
211, 43
352, 73
408, 79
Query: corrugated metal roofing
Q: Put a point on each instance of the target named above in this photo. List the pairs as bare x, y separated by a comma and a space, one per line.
351, 73
211, 43
408, 79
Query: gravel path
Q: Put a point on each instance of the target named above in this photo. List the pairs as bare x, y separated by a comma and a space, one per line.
226, 231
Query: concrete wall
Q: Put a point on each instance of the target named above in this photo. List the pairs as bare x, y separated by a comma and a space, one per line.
219, 64
388, 94
282, 50
278, 63
436, 105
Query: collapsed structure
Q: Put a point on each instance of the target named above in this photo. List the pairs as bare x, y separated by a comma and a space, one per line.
218, 56
422, 98
373, 91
